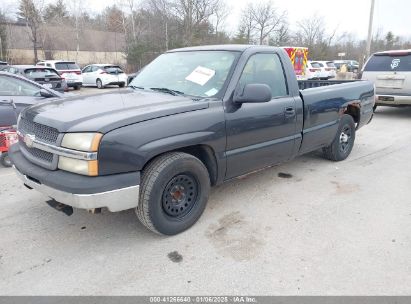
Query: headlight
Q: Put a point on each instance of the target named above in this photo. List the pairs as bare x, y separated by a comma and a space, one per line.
84, 167
87, 142
82, 141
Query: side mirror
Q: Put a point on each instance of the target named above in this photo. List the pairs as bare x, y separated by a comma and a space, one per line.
46, 94
252, 93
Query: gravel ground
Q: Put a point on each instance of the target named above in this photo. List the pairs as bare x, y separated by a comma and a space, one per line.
308, 227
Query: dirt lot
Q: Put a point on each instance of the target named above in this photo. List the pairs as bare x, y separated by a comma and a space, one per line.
321, 228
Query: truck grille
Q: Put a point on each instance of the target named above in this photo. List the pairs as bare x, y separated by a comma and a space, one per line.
42, 132
39, 154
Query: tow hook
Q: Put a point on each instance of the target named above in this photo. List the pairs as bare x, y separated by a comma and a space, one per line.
67, 210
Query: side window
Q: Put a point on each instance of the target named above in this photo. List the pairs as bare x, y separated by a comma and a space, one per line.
266, 69
94, 68
87, 69
10, 86
48, 64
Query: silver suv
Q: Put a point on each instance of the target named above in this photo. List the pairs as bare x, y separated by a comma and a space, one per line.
390, 71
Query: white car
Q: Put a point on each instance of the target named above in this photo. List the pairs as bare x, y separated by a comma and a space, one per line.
329, 68
68, 70
101, 75
313, 70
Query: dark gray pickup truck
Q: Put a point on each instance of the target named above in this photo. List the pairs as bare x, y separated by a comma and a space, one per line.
191, 119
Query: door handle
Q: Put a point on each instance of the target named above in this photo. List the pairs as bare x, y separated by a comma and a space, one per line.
289, 111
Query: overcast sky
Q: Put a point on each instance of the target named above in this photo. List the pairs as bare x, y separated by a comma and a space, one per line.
347, 15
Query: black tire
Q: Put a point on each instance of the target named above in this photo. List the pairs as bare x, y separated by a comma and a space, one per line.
5, 160
343, 142
375, 108
174, 192
99, 84
77, 87
122, 85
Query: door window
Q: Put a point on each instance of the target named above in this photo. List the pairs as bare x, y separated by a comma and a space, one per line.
87, 69
10, 86
266, 69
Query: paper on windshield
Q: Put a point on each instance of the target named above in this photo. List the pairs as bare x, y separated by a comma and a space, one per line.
201, 75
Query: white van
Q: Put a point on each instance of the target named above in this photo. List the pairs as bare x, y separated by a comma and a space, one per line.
390, 71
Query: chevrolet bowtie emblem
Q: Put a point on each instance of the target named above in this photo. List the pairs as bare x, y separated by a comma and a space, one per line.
29, 140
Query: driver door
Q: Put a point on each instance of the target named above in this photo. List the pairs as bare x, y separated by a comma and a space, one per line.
260, 134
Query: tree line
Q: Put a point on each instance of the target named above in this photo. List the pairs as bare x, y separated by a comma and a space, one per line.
151, 27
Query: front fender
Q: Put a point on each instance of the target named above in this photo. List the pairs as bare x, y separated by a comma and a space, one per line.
129, 148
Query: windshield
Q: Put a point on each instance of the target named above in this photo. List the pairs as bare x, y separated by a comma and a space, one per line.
389, 63
41, 73
315, 65
113, 69
67, 66
196, 73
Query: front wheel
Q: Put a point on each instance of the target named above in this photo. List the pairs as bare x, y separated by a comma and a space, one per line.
174, 192
5, 160
122, 85
343, 143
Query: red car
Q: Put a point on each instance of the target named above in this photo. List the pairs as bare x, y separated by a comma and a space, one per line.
8, 136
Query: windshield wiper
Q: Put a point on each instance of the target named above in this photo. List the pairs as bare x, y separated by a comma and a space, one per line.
169, 91
135, 87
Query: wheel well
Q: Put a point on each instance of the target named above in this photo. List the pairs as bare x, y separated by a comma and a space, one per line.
205, 154
354, 111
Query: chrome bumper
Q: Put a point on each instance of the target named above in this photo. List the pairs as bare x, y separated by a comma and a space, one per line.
391, 100
115, 200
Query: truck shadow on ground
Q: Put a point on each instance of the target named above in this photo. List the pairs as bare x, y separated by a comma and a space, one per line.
125, 225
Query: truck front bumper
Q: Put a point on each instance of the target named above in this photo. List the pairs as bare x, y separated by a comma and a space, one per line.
116, 192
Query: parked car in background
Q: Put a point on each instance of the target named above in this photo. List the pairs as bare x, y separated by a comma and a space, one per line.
101, 75
48, 77
3, 63
69, 70
17, 93
329, 69
390, 72
23, 92
313, 70
352, 65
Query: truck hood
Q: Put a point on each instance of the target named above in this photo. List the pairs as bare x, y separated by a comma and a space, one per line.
106, 112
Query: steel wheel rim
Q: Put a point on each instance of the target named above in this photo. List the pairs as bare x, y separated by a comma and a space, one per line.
180, 195
345, 139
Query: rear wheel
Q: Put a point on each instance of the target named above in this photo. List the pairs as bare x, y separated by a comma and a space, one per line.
174, 193
99, 84
5, 159
77, 87
122, 85
343, 143
374, 108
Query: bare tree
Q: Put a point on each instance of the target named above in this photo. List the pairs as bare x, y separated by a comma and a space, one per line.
194, 15
221, 12
31, 12
246, 27
77, 12
266, 19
